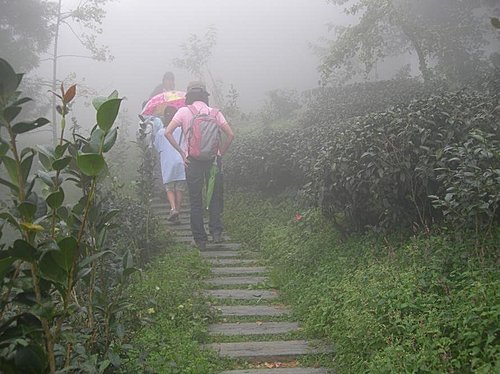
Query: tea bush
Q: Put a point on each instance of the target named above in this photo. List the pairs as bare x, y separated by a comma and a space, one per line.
418, 304
379, 170
393, 168
328, 105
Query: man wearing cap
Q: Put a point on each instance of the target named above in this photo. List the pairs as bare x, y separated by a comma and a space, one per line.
196, 170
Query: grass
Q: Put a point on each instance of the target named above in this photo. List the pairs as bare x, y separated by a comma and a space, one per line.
170, 317
387, 304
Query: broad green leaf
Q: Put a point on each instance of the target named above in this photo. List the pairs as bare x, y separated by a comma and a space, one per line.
45, 160
50, 268
13, 187
21, 101
27, 151
24, 251
23, 127
113, 95
96, 139
10, 219
63, 213
61, 163
87, 260
60, 149
26, 166
107, 113
10, 165
48, 178
67, 253
91, 164
9, 80
55, 199
109, 215
98, 101
11, 112
5, 264
110, 140
31, 359
4, 148
27, 210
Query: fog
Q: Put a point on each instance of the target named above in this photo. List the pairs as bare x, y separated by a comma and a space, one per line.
261, 45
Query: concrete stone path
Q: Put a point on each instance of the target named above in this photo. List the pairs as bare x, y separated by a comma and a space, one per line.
247, 308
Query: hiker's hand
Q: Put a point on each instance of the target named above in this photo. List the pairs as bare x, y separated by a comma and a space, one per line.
185, 160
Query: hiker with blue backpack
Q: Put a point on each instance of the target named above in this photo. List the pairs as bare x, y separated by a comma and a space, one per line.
201, 148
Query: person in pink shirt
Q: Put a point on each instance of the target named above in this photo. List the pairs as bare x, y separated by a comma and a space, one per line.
196, 169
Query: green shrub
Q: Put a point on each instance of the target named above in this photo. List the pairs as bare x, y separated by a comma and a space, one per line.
379, 170
58, 291
168, 318
420, 304
328, 105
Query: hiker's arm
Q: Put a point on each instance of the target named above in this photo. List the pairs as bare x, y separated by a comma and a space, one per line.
169, 134
228, 131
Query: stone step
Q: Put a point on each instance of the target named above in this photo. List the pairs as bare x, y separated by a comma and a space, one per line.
268, 351
223, 281
163, 214
229, 261
210, 246
187, 234
218, 254
242, 294
239, 270
278, 371
182, 226
164, 207
252, 310
223, 246
252, 328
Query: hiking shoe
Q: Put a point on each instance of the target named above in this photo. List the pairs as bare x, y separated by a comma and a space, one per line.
217, 238
174, 215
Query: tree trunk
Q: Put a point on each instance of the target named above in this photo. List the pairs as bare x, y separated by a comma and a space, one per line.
424, 69
54, 74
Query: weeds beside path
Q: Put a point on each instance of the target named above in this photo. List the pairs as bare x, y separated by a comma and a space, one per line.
407, 304
170, 318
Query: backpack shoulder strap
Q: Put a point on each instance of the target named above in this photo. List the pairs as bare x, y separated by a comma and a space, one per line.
213, 113
193, 109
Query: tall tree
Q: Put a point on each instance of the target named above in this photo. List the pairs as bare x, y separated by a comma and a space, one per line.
25, 31
197, 52
447, 36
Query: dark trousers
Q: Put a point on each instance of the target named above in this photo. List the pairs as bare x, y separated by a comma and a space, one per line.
196, 176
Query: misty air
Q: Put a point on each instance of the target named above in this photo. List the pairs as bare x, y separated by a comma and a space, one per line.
249, 187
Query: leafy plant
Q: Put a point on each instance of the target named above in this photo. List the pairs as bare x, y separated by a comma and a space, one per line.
380, 169
471, 172
428, 29
53, 276
388, 304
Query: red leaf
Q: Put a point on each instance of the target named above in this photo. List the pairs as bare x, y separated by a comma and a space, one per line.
69, 94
